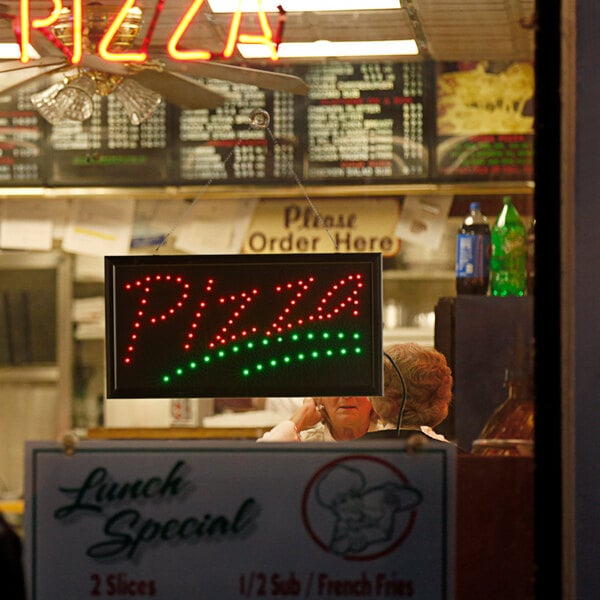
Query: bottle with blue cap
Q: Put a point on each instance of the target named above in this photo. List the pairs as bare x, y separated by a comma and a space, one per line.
473, 251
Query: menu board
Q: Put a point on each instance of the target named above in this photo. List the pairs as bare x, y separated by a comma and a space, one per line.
107, 149
361, 123
226, 145
21, 141
367, 121
485, 121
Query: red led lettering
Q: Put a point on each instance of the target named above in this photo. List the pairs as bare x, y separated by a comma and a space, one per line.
341, 296
146, 314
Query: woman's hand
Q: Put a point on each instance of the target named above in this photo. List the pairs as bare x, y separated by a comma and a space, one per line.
307, 415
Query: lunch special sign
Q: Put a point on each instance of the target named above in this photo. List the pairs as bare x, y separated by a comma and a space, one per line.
201, 520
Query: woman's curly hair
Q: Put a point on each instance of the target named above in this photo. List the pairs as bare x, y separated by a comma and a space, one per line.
428, 386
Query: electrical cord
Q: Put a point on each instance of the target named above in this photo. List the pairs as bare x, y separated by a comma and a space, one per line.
403, 404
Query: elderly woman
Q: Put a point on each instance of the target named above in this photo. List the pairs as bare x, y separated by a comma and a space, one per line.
417, 392
326, 419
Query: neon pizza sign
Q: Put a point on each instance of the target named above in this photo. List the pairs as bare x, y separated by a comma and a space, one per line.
74, 50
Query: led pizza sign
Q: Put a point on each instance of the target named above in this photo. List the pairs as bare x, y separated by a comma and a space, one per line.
77, 22
244, 325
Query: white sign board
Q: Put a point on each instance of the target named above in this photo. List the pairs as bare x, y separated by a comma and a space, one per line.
199, 520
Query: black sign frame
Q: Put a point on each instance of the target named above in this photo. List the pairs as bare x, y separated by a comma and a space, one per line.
244, 325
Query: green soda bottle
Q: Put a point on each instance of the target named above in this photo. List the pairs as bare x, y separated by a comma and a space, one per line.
508, 264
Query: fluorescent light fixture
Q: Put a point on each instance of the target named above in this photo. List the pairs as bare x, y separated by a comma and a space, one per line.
324, 48
289, 6
12, 51
73, 101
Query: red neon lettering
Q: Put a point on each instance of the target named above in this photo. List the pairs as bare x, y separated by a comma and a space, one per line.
75, 52
41, 24
25, 56
77, 32
266, 39
181, 28
110, 34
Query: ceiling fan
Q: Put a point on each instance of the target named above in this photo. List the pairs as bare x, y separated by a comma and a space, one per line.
141, 84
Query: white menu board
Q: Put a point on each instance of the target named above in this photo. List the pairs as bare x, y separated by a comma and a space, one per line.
200, 520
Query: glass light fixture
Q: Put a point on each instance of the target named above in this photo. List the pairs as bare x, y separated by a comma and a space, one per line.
139, 102
45, 104
75, 100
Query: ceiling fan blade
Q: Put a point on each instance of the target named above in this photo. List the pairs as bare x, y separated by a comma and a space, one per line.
175, 88
17, 65
96, 63
16, 78
263, 79
43, 45
178, 89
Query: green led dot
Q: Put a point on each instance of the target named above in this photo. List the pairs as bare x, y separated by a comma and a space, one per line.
193, 365
166, 379
246, 372
221, 353
326, 335
356, 336
341, 335
343, 351
314, 354
295, 337
286, 359
179, 371
310, 336
250, 345
280, 339
329, 352
273, 363
357, 350
259, 367
300, 356
235, 349
265, 342
206, 359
